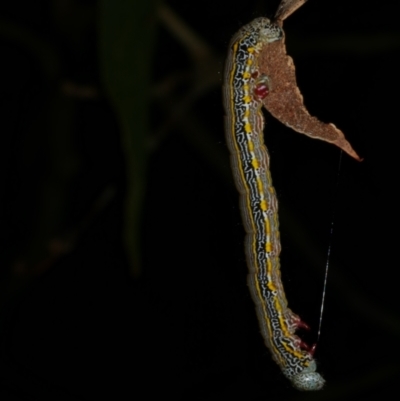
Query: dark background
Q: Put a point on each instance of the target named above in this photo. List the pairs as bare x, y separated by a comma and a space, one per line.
78, 319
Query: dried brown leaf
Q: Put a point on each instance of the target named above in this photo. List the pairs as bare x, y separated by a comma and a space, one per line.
287, 7
285, 101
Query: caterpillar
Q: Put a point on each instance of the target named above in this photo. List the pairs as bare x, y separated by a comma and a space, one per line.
243, 91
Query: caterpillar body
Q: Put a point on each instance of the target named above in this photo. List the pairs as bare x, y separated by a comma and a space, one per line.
244, 89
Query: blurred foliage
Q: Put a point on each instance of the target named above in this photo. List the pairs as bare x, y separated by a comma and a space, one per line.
126, 44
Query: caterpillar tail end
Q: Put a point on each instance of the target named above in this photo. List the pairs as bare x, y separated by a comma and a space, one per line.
308, 379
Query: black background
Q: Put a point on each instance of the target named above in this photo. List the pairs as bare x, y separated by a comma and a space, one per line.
79, 327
